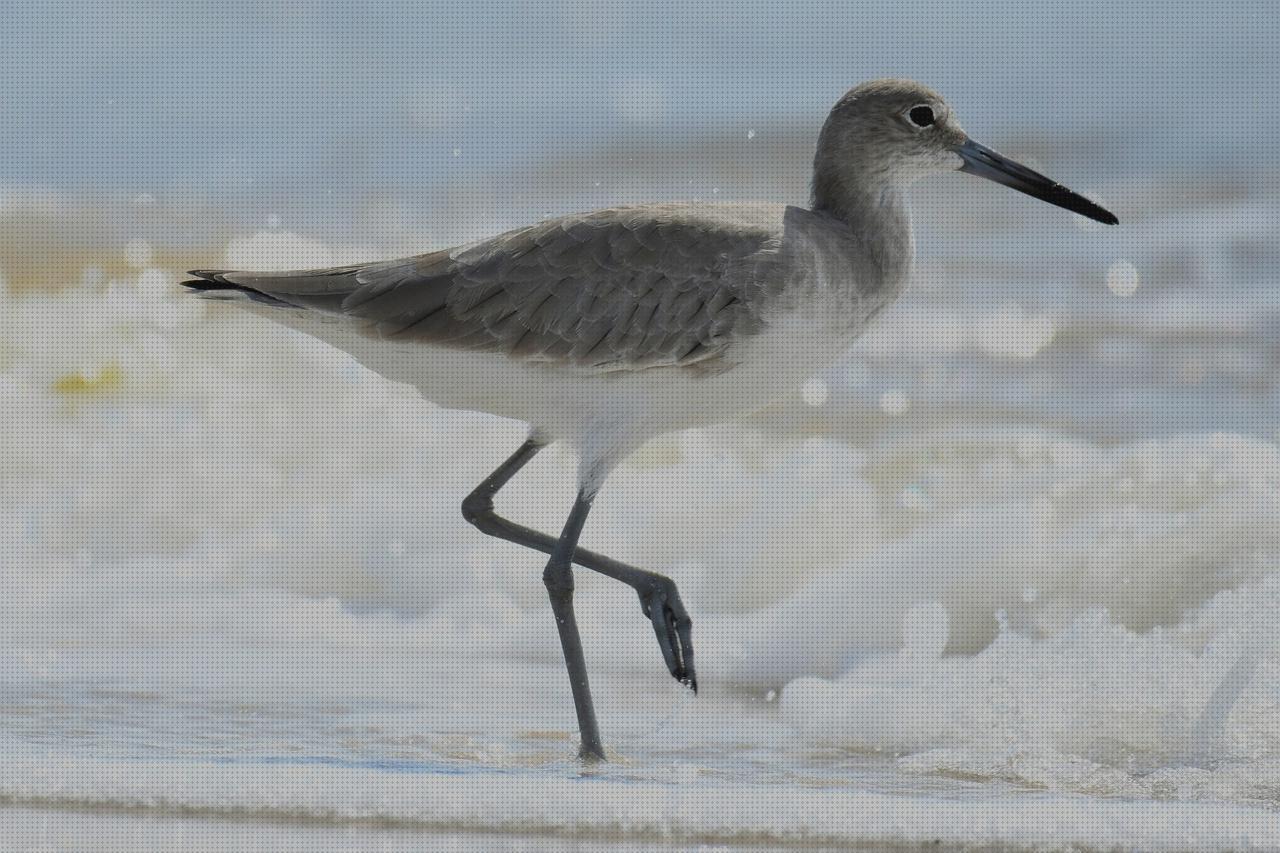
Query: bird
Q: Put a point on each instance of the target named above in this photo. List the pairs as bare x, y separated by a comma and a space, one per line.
604, 329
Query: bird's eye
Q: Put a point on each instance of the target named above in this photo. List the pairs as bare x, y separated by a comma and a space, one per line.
921, 116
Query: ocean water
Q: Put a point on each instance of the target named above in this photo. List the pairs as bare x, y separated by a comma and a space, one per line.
1008, 574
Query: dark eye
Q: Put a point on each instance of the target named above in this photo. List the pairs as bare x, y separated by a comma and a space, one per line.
921, 116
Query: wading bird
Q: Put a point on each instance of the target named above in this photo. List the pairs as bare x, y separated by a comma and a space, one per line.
605, 329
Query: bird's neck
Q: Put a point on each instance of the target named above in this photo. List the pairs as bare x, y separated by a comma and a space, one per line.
875, 211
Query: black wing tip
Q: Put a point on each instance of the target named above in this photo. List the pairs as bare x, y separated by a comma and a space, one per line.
212, 284
207, 280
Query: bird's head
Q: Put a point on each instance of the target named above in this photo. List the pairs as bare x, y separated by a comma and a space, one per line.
890, 133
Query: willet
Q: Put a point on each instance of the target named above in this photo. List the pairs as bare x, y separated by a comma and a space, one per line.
607, 328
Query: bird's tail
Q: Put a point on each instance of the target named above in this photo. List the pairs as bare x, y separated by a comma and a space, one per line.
212, 284
316, 290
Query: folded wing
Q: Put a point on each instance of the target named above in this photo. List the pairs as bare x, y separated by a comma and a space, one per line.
619, 289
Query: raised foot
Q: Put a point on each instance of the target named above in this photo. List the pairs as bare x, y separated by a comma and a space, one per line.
671, 623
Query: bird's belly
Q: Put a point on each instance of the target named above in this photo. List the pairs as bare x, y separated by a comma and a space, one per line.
624, 407
774, 363
750, 375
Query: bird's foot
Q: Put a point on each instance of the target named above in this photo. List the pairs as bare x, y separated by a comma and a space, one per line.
671, 623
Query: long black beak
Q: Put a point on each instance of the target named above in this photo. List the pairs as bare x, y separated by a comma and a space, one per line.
982, 161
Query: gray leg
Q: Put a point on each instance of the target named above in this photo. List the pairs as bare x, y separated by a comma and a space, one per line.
659, 598
558, 577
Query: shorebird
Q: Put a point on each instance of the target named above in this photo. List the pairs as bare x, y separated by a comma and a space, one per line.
605, 329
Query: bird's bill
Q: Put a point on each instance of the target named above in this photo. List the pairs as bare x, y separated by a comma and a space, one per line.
982, 161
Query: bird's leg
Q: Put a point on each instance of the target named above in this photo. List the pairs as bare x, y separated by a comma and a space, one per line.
477, 507
558, 576
659, 598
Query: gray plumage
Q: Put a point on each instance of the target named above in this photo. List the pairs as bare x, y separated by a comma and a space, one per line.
624, 288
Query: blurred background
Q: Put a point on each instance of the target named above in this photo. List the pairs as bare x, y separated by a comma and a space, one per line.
1024, 537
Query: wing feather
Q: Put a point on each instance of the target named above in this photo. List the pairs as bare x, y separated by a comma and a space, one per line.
619, 289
